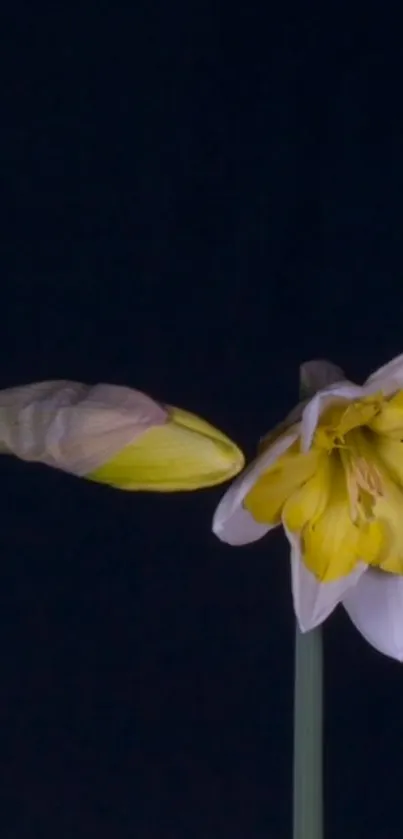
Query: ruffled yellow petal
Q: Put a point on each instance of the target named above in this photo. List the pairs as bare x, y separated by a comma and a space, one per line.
390, 452
339, 420
308, 503
265, 501
184, 454
389, 420
358, 414
389, 506
331, 544
389, 513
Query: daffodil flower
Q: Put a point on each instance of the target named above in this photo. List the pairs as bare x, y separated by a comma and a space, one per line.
332, 475
114, 435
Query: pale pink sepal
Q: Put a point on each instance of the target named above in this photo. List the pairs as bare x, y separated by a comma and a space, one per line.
73, 426
318, 374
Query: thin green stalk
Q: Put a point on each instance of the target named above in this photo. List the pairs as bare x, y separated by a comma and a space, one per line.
308, 727
308, 681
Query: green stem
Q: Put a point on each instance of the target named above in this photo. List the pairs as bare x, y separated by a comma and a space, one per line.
308, 752
308, 680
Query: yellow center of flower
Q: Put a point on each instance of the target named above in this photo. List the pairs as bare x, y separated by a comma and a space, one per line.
344, 497
343, 435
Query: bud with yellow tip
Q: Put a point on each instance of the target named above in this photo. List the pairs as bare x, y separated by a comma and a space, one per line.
114, 435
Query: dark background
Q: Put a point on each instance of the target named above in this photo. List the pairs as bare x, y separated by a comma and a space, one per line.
195, 199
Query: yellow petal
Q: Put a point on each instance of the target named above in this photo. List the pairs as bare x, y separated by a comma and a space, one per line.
357, 414
332, 545
184, 454
389, 513
338, 420
380, 464
266, 500
389, 420
308, 503
390, 451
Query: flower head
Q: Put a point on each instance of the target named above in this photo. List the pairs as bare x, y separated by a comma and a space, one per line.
114, 435
332, 475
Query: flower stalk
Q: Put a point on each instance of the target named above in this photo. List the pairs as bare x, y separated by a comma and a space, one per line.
308, 735
308, 705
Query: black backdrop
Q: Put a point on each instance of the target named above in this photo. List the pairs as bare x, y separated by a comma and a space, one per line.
195, 199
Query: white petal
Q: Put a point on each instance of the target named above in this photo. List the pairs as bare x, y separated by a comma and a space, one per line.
318, 374
388, 378
323, 399
73, 426
314, 601
231, 522
375, 606
292, 418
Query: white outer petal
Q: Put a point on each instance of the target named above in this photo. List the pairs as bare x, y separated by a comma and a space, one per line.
388, 378
314, 601
375, 607
231, 522
292, 418
323, 399
73, 426
315, 375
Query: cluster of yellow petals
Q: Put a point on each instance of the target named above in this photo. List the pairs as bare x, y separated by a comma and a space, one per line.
344, 497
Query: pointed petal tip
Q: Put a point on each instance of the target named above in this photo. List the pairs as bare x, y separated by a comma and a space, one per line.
313, 600
375, 607
226, 454
229, 460
232, 523
236, 527
185, 453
